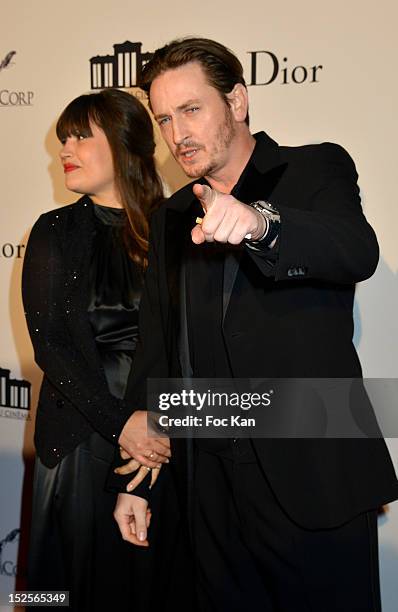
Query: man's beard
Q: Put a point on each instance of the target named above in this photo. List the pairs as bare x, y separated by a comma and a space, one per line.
224, 136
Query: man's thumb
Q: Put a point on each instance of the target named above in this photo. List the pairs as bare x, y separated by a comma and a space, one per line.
205, 194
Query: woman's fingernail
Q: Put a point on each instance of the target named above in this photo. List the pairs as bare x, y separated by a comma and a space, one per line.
141, 536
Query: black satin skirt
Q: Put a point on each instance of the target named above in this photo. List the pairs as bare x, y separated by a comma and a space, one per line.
76, 545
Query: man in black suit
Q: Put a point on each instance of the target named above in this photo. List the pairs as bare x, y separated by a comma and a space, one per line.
261, 286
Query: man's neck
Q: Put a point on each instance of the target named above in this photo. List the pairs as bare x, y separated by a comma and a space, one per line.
241, 151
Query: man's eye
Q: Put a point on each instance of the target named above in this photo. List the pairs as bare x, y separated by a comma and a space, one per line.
192, 109
163, 120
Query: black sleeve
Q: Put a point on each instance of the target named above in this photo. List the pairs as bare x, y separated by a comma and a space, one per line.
329, 239
56, 352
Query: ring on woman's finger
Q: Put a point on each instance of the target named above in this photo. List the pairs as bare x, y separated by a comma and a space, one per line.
148, 468
151, 455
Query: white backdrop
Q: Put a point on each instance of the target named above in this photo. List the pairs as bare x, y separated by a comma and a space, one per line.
352, 102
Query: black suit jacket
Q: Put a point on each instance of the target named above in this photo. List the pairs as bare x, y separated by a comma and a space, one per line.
284, 315
74, 398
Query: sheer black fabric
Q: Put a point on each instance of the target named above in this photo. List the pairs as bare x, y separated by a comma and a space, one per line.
115, 285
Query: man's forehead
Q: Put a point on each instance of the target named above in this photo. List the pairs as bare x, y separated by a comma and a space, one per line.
179, 85
175, 78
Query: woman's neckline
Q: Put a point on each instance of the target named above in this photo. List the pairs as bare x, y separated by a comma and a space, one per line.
112, 208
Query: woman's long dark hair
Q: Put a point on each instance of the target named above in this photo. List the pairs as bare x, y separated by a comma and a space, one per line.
129, 131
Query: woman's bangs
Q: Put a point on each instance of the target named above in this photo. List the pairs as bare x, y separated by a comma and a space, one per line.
75, 120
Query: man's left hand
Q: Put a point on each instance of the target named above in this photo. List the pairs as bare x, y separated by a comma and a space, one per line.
226, 219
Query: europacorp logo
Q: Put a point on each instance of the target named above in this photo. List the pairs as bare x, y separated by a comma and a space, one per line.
9, 553
12, 97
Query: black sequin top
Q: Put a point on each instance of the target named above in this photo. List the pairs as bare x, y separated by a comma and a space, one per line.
115, 285
80, 293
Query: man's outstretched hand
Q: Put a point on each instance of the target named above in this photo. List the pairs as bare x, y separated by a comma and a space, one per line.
226, 219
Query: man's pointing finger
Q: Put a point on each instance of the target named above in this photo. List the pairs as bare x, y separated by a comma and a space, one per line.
205, 195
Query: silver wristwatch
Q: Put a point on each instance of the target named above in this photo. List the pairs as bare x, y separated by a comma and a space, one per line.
272, 221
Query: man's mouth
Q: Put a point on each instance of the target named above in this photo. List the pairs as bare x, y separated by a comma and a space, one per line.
188, 154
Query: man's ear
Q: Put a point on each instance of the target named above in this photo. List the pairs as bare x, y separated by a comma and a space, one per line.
239, 102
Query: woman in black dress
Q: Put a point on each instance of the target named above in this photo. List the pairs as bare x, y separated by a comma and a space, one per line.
82, 283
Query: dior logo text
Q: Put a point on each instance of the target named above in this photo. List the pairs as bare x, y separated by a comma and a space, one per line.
266, 68
10, 251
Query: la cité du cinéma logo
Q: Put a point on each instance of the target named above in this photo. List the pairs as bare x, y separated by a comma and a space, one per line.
15, 396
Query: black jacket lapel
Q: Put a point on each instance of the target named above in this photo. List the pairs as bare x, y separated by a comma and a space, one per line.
257, 182
178, 226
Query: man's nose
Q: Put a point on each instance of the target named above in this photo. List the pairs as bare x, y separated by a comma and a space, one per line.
180, 131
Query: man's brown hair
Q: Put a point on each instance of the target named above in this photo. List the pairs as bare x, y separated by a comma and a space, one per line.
221, 67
